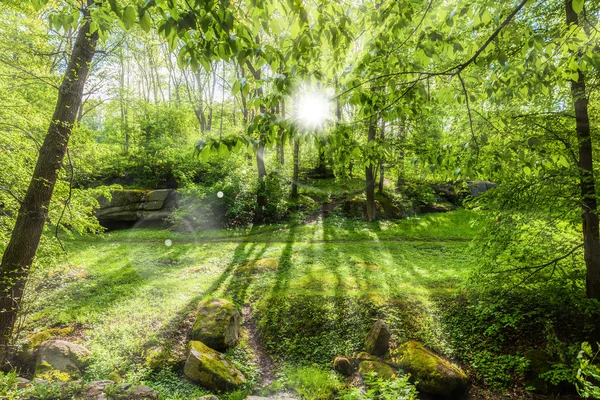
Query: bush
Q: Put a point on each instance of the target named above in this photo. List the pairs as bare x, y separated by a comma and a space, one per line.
378, 388
311, 382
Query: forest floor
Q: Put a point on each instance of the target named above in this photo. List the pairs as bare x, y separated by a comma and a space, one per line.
128, 289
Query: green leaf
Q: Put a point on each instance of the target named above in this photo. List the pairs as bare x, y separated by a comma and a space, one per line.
129, 16
145, 22
577, 6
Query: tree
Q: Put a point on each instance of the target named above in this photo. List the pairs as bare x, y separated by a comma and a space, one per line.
24, 241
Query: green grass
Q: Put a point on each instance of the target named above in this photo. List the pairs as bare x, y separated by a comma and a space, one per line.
128, 288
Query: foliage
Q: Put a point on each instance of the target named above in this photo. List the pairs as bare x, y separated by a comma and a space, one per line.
588, 374
398, 388
310, 382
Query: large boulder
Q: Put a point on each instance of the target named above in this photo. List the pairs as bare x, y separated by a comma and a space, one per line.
434, 375
61, 356
217, 324
210, 368
378, 339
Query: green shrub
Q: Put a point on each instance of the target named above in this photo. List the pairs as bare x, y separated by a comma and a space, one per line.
378, 388
588, 373
311, 382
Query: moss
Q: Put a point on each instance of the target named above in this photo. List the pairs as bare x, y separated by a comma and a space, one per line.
35, 339
433, 374
382, 370
46, 372
210, 368
217, 324
115, 377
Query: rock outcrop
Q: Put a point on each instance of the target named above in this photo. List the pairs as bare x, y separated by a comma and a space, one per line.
217, 324
131, 206
61, 356
210, 368
434, 375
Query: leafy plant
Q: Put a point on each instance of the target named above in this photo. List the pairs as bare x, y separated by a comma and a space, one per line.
588, 374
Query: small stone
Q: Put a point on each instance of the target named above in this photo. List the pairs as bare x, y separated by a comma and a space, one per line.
344, 366
22, 382
378, 339
208, 397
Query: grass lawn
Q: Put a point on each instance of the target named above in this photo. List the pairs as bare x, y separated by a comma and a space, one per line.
131, 288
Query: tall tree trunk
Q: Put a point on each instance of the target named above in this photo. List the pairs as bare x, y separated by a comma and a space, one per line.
590, 225
295, 173
369, 176
25, 238
381, 167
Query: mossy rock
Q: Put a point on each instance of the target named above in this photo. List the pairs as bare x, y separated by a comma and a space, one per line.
433, 374
378, 339
217, 324
383, 370
344, 365
61, 356
211, 369
27, 352
257, 266
363, 355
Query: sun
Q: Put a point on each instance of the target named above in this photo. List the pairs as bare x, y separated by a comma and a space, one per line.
314, 108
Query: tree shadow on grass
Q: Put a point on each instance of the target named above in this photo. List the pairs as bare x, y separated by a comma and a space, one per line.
174, 334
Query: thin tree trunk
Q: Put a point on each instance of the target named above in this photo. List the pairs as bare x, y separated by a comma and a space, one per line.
370, 179
590, 225
295, 173
20, 252
381, 167
282, 136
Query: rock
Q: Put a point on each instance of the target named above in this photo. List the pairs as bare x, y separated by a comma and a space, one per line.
209, 397
210, 368
136, 205
477, 188
26, 354
433, 374
344, 366
274, 397
95, 389
378, 340
144, 392
115, 377
383, 370
363, 355
217, 324
22, 382
61, 356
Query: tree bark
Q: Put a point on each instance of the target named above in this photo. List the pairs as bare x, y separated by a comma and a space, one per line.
381, 167
25, 238
295, 173
369, 176
590, 225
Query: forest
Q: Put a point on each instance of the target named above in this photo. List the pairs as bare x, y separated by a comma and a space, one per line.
299, 199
